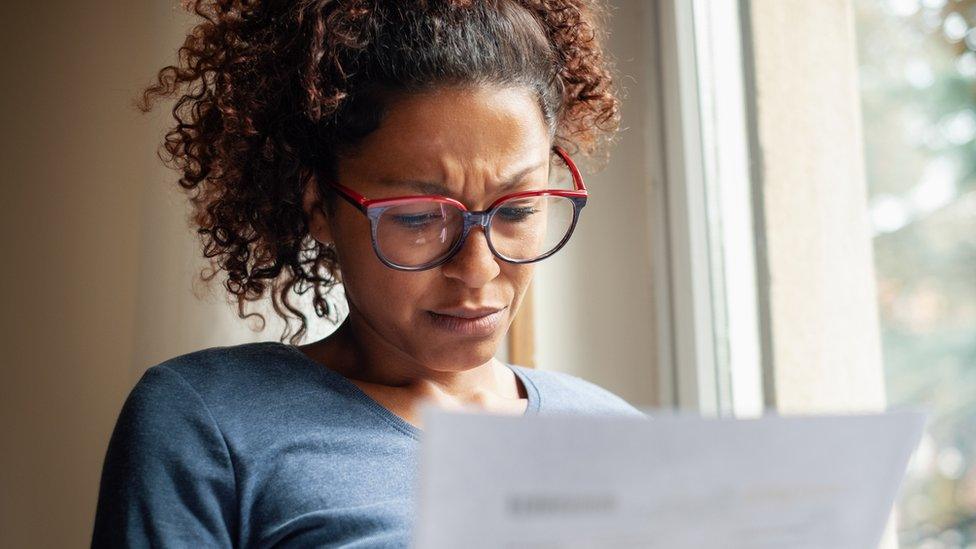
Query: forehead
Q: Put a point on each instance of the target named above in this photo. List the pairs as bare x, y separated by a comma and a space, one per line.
452, 135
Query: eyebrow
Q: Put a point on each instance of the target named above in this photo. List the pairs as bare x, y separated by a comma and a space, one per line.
431, 187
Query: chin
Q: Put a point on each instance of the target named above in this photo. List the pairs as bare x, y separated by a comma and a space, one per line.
463, 355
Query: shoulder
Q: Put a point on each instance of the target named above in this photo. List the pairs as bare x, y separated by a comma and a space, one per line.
168, 474
237, 386
242, 371
245, 362
564, 392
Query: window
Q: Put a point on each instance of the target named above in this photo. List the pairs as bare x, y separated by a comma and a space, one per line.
918, 93
849, 131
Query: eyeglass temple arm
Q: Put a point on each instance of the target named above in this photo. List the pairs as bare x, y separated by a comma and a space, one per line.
357, 200
577, 178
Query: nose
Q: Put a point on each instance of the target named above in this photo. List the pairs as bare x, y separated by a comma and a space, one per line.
474, 264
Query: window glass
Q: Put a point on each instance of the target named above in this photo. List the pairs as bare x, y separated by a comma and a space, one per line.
918, 89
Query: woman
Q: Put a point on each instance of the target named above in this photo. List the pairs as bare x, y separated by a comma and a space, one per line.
297, 122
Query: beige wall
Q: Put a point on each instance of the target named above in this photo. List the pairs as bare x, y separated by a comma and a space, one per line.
595, 309
71, 178
826, 351
98, 262
821, 303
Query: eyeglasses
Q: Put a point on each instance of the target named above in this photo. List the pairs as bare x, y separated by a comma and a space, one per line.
415, 233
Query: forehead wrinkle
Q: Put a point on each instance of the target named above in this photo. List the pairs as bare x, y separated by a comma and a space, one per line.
504, 183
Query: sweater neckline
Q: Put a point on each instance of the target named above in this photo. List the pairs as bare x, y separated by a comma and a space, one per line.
353, 391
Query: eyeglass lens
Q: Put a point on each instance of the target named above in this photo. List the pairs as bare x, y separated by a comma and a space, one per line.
521, 229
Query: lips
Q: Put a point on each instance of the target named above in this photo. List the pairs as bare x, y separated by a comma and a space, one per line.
467, 312
467, 321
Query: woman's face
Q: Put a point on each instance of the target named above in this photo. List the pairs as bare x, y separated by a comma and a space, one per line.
463, 143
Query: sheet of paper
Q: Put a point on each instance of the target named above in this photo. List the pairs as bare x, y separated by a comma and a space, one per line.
534, 482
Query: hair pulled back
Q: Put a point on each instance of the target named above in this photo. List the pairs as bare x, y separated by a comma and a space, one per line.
268, 94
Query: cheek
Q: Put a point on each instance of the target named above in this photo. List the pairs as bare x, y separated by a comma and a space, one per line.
519, 276
516, 280
386, 295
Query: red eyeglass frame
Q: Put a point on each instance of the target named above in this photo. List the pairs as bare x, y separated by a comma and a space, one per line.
374, 208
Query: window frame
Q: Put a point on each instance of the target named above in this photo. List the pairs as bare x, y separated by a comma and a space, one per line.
713, 356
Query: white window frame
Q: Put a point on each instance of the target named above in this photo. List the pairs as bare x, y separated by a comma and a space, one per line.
710, 328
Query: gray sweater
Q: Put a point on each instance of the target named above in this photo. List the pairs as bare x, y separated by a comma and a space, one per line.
257, 445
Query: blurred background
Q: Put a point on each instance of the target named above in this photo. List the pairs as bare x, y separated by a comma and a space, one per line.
787, 223
918, 90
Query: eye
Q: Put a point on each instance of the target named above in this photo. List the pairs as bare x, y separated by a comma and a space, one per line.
417, 221
516, 213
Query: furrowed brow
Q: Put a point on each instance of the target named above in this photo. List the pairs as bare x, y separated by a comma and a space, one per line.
431, 187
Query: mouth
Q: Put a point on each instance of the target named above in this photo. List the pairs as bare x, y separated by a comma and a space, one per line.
481, 321
468, 312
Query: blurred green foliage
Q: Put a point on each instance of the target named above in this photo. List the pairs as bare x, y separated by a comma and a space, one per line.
918, 88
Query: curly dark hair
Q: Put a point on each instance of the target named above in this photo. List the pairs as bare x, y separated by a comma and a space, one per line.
269, 93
